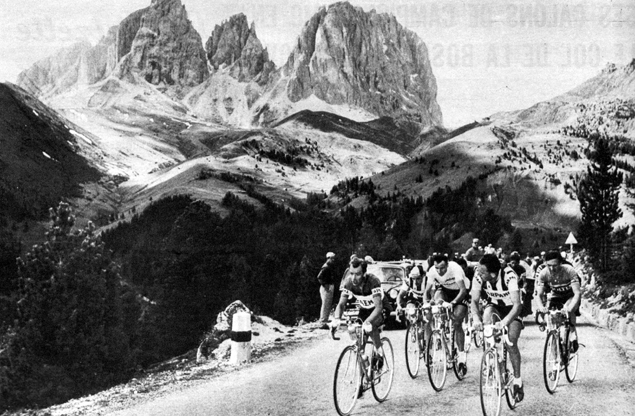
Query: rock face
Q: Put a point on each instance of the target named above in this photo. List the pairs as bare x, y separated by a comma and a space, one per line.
234, 44
79, 64
166, 50
345, 55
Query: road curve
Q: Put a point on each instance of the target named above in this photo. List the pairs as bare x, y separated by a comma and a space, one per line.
300, 383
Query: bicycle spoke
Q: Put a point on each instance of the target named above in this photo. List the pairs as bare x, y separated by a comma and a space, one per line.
490, 384
382, 375
347, 381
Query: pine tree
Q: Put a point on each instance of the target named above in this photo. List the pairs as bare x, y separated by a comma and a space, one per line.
598, 193
69, 336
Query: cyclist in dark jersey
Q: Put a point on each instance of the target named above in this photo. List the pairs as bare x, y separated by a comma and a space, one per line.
365, 289
499, 286
564, 282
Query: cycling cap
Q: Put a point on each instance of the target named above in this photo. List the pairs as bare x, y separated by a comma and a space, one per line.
330, 255
415, 272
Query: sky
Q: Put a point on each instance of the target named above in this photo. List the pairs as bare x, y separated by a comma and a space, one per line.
487, 56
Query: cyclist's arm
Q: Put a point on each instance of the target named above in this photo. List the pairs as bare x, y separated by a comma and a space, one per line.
426, 293
476, 298
376, 313
516, 308
540, 291
400, 297
577, 296
462, 292
341, 305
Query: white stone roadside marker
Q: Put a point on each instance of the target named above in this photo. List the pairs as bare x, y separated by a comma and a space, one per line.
241, 338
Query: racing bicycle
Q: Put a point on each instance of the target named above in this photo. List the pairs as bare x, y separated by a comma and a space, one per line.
355, 373
415, 337
442, 353
497, 374
561, 347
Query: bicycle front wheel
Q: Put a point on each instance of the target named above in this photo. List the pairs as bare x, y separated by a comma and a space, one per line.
551, 362
347, 381
491, 385
413, 350
571, 369
508, 381
437, 361
383, 374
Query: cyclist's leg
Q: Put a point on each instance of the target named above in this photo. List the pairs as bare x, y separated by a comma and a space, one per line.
573, 314
514, 352
490, 315
460, 312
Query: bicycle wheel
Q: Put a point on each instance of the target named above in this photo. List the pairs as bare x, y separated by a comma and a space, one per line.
383, 375
347, 381
413, 352
508, 380
478, 338
490, 384
551, 362
437, 361
571, 369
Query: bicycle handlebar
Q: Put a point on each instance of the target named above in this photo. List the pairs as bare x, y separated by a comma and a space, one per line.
495, 331
542, 322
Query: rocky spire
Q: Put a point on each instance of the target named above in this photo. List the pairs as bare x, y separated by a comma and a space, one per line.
345, 55
166, 49
234, 44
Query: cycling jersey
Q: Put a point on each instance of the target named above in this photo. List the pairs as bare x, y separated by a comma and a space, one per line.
450, 277
414, 290
499, 293
560, 281
364, 292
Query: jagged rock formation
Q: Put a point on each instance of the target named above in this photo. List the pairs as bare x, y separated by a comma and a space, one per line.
166, 51
347, 56
79, 64
234, 44
157, 43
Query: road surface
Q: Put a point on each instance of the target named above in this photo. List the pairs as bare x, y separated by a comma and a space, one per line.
300, 383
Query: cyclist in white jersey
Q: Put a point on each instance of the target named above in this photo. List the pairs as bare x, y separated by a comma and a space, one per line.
448, 281
499, 287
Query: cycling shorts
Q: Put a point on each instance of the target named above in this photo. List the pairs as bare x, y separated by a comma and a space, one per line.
558, 302
365, 313
449, 295
502, 311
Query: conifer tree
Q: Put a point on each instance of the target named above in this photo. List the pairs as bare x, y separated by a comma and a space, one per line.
69, 336
598, 193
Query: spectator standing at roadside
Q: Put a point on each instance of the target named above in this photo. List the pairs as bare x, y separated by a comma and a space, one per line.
474, 253
326, 277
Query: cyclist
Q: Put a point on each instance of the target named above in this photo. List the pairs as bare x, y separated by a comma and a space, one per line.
499, 286
449, 283
564, 282
365, 288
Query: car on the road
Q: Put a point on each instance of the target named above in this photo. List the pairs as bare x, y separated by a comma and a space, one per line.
392, 275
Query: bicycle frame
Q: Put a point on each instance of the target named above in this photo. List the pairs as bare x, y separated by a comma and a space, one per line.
558, 327
377, 377
495, 373
442, 323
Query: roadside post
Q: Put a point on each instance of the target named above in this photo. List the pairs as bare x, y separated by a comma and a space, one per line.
240, 338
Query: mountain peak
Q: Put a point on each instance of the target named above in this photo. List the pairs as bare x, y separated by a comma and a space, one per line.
345, 55
234, 43
166, 50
